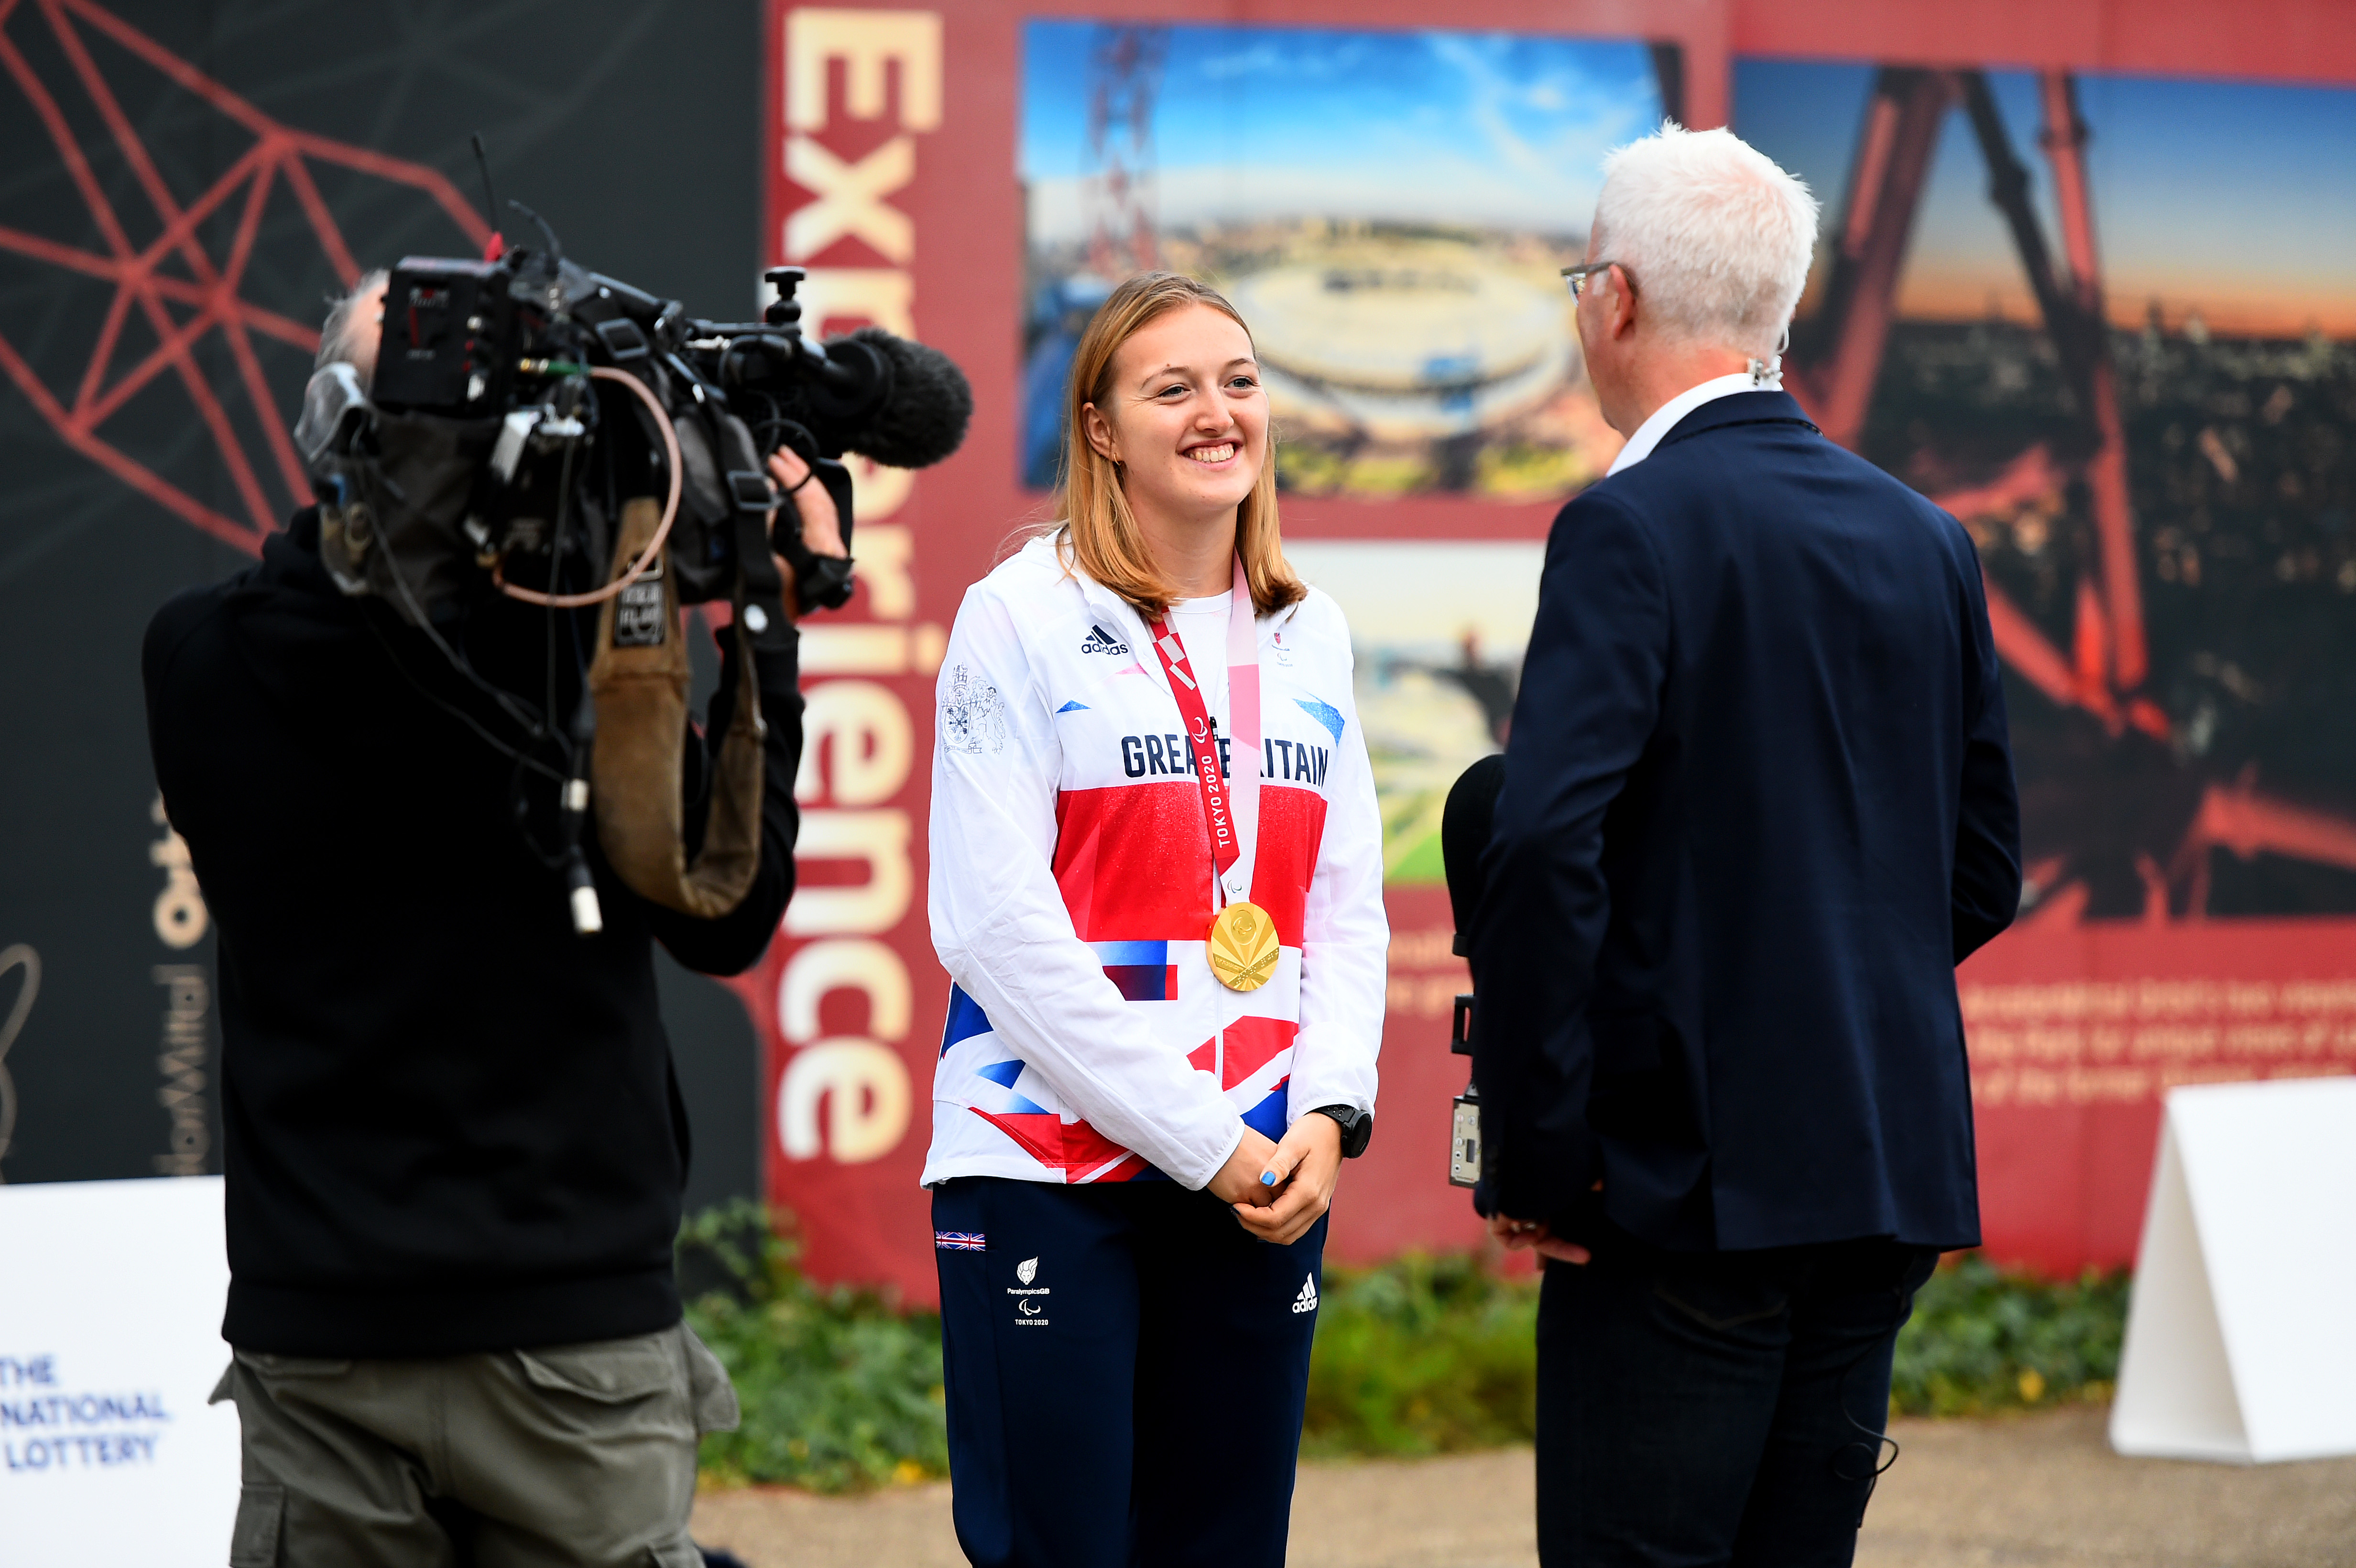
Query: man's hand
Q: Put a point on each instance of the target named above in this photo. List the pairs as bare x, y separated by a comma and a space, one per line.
814, 503
1520, 1233
1301, 1172
1238, 1180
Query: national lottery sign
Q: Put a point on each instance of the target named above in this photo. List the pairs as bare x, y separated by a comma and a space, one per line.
110, 1346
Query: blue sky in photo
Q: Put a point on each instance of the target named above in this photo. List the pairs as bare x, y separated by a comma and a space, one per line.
1504, 130
2237, 198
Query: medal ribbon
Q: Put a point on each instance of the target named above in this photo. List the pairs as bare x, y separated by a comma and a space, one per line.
1230, 807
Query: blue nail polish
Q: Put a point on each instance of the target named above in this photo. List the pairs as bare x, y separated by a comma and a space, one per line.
1267, 1179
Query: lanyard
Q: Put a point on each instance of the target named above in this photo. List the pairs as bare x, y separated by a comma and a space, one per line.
1231, 810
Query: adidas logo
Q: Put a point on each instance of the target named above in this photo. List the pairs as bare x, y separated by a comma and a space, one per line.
1099, 641
1307, 1300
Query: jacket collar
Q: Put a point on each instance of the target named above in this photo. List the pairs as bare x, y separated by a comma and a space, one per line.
1766, 406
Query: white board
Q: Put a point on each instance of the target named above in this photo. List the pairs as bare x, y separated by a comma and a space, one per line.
110, 1297
2241, 1340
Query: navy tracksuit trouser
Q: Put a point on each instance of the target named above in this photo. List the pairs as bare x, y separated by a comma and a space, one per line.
1127, 1368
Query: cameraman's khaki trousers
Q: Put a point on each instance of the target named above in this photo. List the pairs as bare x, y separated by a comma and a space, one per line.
574, 1455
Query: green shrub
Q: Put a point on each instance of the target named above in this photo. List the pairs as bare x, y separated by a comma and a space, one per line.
1422, 1356
840, 1388
1983, 1339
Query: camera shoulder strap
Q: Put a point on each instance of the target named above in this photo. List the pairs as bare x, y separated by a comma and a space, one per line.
638, 681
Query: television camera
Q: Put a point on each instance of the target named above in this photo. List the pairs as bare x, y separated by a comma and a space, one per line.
542, 432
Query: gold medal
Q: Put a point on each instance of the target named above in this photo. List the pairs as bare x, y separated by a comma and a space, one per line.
1244, 947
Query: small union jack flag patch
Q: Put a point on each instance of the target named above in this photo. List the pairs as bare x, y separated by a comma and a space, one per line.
959, 1241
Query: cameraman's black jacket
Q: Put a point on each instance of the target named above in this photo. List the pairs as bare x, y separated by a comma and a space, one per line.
450, 1124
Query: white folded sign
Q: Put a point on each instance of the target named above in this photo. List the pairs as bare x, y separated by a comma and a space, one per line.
2238, 1343
110, 1300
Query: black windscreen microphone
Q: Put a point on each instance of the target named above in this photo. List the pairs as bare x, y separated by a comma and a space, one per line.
1464, 825
884, 396
926, 404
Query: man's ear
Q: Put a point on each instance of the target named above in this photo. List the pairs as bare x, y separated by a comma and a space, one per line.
1621, 308
1098, 431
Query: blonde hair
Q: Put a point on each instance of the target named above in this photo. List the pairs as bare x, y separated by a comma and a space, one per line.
1098, 529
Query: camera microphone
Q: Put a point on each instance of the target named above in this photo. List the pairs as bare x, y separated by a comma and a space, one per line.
922, 415
875, 393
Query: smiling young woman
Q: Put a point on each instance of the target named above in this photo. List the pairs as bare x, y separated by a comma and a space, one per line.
1157, 886
1168, 503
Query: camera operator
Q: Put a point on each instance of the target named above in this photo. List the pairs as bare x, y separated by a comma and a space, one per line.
454, 1139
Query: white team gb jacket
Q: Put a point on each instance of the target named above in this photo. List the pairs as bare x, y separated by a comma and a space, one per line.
1071, 894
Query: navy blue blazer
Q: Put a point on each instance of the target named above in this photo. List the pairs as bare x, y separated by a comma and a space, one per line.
1758, 803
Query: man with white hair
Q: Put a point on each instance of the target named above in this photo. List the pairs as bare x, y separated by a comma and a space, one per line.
1758, 802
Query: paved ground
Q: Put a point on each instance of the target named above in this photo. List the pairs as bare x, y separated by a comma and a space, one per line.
2033, 1491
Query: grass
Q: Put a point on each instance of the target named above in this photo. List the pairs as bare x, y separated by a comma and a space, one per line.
842, 1390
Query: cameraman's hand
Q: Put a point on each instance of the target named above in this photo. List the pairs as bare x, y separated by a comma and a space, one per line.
814, 503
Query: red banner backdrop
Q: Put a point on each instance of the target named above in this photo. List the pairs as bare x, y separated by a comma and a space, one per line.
891, 159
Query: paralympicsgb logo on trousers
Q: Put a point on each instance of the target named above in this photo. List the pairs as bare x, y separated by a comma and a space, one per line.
1030, 1310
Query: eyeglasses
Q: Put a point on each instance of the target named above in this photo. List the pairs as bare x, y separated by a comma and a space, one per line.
1578, 277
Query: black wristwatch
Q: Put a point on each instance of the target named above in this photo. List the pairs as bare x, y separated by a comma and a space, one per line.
1357, 1128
